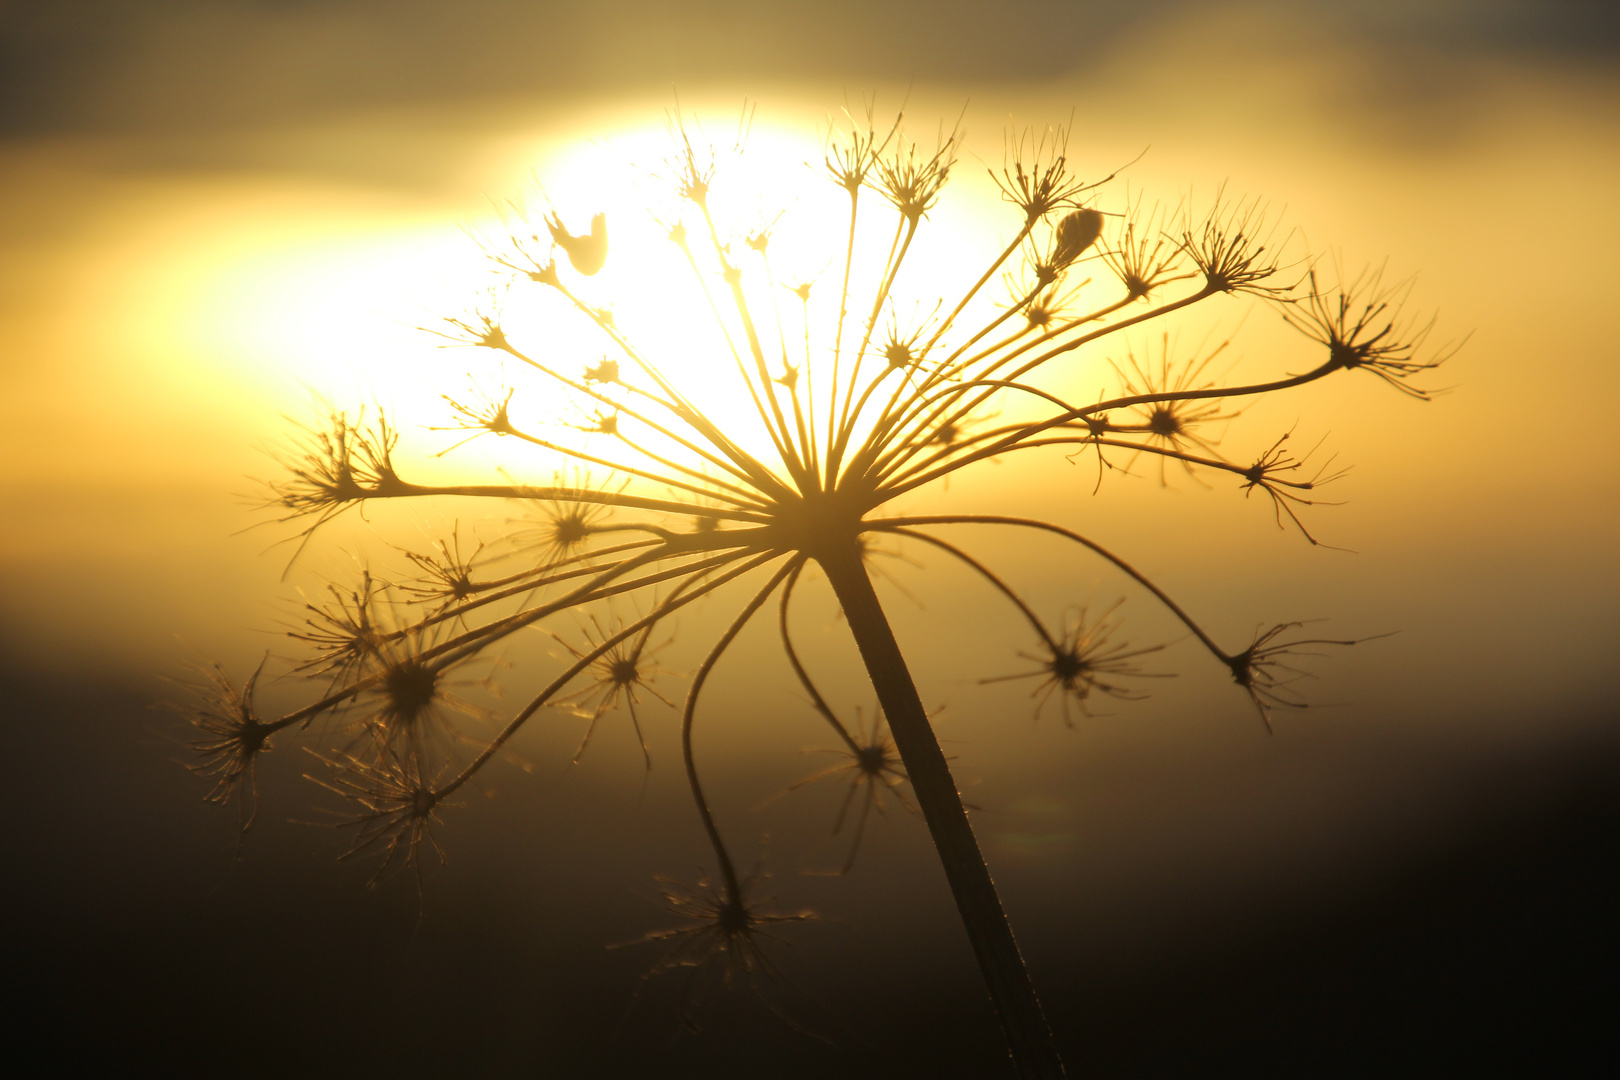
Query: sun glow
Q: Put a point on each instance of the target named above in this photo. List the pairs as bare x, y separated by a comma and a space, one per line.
777, 216
359, 303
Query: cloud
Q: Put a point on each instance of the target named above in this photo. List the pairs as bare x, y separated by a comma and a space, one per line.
160, 64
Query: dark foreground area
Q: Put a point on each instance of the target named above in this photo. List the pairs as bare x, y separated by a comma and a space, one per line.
135, 943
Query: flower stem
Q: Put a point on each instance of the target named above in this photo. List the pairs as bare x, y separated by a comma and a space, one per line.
1029, 1039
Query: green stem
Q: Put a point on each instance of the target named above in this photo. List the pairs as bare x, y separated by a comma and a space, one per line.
1029, 1039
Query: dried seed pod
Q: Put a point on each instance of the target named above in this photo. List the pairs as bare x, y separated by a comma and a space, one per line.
1077, 231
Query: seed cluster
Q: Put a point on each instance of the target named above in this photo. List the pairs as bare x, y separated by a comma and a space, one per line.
667, 506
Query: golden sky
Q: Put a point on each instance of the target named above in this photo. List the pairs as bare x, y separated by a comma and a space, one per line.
168, 295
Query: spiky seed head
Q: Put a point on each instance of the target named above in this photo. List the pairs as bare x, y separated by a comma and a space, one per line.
570, 530
624, 671
876, 759
409, 688
1069, 668
1345, 355
1163, 422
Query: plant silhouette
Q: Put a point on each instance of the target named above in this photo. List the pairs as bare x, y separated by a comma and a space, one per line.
861, 408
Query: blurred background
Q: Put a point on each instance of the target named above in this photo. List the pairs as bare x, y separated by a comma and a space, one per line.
210, 210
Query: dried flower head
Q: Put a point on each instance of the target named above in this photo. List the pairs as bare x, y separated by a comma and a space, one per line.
1035, 172
1264, 670
230, 738
1282, 476
604, 371
1047, 306
1081, 660
405, 703
912, 181
480, 325
721, 940
559, 529
1364, 328
850, 156
397, 809
801, 472
618, 674
332, 466
481, 412
873, 768
1235, 248
342, 634
1170, 418
447, 576
1144, 256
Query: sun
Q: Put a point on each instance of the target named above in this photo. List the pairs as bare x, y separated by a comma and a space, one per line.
777, 216
343, 296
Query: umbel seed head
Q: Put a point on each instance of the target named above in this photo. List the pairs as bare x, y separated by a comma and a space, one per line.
625, 671
409, 688
1164, 423
847, 415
